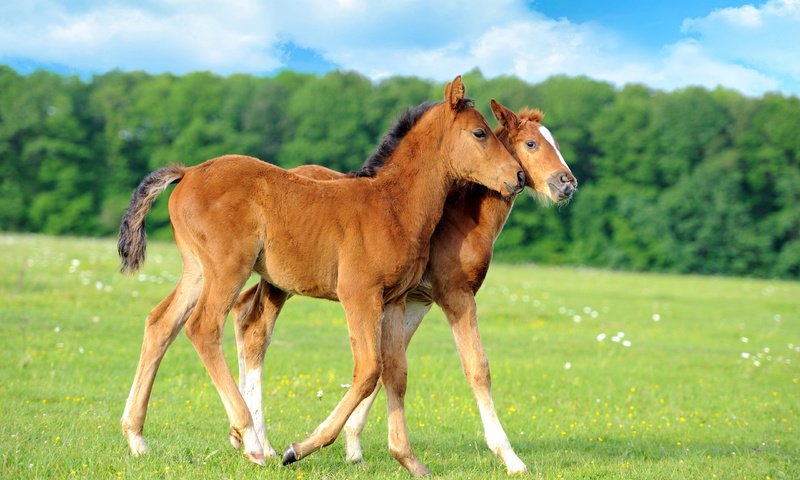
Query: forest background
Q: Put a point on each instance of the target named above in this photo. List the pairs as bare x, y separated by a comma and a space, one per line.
690, 181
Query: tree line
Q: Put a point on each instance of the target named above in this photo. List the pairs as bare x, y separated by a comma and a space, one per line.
690, 181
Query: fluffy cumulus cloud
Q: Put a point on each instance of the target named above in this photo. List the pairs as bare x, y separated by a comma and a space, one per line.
173, 35
766, 37
690, 63
750, 48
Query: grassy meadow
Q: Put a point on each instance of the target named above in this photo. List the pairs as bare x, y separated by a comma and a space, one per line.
596, 374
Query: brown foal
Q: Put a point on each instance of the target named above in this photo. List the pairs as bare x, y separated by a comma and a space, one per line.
461, 250
363, 241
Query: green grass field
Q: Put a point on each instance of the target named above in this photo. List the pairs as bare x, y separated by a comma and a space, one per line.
707, 387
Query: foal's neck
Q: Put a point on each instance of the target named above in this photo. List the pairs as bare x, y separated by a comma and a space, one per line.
415, 181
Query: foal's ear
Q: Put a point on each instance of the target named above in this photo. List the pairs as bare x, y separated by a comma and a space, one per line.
508, 119
455, 92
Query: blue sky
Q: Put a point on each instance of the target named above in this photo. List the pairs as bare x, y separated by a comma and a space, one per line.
750, 47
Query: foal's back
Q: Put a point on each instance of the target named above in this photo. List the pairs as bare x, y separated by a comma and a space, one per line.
293, 231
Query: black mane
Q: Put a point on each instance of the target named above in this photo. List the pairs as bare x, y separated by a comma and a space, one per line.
399, 129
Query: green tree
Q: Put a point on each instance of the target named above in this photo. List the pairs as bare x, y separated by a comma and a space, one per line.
330, 116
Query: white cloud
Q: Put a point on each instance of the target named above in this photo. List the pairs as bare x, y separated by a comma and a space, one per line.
360, 24
177, 36
535, 48
765, 37
688, 63
749, 48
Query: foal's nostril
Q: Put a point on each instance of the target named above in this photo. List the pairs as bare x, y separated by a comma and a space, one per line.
564, 178
521, 179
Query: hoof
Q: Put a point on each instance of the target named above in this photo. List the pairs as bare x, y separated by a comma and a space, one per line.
137, 445
256, 458
355, 459
290, 456
515, 466
421, 472
352, 450
236, 440
415, 467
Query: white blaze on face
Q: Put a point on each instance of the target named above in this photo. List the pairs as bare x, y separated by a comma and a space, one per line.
549, 136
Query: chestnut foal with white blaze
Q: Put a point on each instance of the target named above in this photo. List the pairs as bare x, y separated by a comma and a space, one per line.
461, 250
362, 241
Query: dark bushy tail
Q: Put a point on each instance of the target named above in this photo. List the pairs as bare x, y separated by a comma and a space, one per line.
132, 236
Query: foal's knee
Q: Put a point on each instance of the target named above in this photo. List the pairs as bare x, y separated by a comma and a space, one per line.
479, 374
366, 379
395, 375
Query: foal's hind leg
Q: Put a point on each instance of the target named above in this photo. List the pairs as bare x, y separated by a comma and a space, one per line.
414, 313
161, 328
204, 329
461, 311
254, 315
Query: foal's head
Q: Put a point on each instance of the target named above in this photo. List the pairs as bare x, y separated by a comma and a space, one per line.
546, 172
472, 150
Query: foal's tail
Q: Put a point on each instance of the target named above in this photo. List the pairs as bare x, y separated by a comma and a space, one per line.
132, 236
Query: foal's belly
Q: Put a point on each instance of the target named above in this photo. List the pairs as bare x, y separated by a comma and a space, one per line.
298, 274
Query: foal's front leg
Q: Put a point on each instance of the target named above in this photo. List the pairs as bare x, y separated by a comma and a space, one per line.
414, 312
254, 314
364, 310
394, 379
461, 311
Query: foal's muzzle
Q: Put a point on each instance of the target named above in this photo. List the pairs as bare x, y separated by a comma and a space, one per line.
520, 186
562, 185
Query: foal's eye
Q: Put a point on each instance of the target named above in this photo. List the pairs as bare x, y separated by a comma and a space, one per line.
479, 133
530, 144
